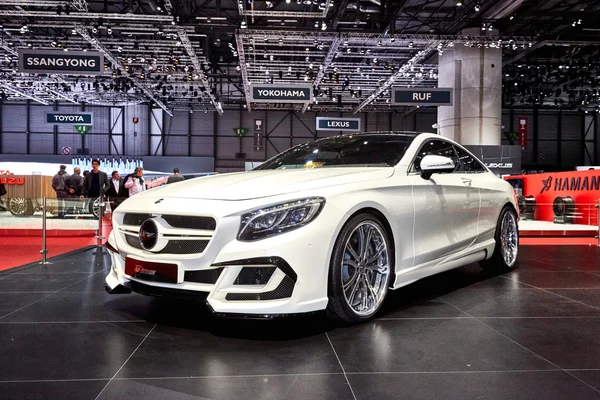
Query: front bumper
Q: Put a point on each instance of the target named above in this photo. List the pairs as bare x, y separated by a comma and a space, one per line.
281, 275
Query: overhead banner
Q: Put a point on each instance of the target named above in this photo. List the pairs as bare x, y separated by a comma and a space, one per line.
282, 94
338, 124
61, 62
70, 118
422, 97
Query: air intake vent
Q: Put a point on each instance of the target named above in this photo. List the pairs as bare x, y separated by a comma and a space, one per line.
283, 291
203, 276
254, 276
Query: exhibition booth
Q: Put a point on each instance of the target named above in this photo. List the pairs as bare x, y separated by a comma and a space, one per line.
558, 207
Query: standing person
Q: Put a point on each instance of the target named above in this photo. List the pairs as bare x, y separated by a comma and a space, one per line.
135, 182
59, 184
74, 188
116, 189
176, 177
95, 184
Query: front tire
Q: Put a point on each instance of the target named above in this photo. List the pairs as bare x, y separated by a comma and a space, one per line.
506, 250
360, 270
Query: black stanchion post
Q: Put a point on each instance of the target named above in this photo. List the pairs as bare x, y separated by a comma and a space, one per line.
44, 250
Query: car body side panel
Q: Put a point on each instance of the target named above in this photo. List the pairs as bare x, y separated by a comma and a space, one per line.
446, 216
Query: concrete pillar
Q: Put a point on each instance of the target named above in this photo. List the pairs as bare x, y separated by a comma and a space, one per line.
475, 74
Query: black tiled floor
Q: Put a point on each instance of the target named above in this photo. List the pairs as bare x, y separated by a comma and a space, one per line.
64, 390
301, 387
529, 334
552, 385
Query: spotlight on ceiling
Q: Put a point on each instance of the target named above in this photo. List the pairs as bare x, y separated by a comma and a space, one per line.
244, 25
477, 7
459, 3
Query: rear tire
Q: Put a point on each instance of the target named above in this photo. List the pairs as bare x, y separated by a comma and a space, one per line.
506, 250
360, 270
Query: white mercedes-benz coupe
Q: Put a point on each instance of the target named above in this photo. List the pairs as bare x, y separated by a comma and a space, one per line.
327, 225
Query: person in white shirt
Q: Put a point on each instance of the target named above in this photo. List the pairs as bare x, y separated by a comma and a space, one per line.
135, 182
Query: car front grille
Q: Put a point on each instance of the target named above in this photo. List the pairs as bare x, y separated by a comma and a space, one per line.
179, 243
184, 247
176, 221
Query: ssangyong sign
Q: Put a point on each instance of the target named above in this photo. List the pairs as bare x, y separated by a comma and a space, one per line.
69, 118
281, 94
61, 62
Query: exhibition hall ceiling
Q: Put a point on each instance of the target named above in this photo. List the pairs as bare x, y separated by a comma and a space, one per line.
207, 54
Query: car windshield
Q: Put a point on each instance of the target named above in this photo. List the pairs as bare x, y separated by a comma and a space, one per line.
343, 151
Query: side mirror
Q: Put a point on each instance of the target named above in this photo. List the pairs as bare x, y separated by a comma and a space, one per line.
436, 165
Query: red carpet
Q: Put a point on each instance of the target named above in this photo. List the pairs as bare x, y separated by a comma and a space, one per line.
21, 250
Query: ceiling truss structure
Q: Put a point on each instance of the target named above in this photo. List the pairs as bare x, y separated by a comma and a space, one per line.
206, 54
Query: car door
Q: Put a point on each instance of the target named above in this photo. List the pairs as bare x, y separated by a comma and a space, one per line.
492, 195
446, 207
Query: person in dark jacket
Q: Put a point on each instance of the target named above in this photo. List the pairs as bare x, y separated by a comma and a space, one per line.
116, 190
176, 177
95, 184
59, 184
74, 189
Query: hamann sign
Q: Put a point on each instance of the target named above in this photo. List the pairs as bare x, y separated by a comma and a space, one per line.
61, 62
69, 118
282, 94
423, 97
338, 124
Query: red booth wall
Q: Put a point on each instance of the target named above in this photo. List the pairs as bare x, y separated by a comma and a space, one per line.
582, 186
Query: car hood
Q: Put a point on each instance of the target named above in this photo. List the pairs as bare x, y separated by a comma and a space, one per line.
259, 184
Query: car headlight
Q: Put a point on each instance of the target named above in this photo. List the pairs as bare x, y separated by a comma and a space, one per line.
278, 219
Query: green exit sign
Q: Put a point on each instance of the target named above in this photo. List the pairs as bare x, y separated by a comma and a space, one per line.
241, 132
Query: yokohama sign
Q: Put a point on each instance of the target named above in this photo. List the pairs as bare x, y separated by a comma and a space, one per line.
281, 94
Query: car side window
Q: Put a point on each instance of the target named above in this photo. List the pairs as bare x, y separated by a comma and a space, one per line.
434, 147
467, 163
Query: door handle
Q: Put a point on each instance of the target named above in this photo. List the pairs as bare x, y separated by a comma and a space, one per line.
466, 181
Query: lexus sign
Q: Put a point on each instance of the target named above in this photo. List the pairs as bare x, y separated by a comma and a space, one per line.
61, 62
338, 124
281, 94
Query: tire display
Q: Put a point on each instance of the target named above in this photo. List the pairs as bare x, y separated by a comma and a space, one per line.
564, 210
20, 207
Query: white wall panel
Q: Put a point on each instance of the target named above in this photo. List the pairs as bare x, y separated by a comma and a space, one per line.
202, 146
571, 127
14, 118
40, 143
14, 143
548, 126
176, 145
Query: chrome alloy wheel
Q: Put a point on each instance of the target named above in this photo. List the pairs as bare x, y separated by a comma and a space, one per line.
365, 269
17, 205
509, 239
